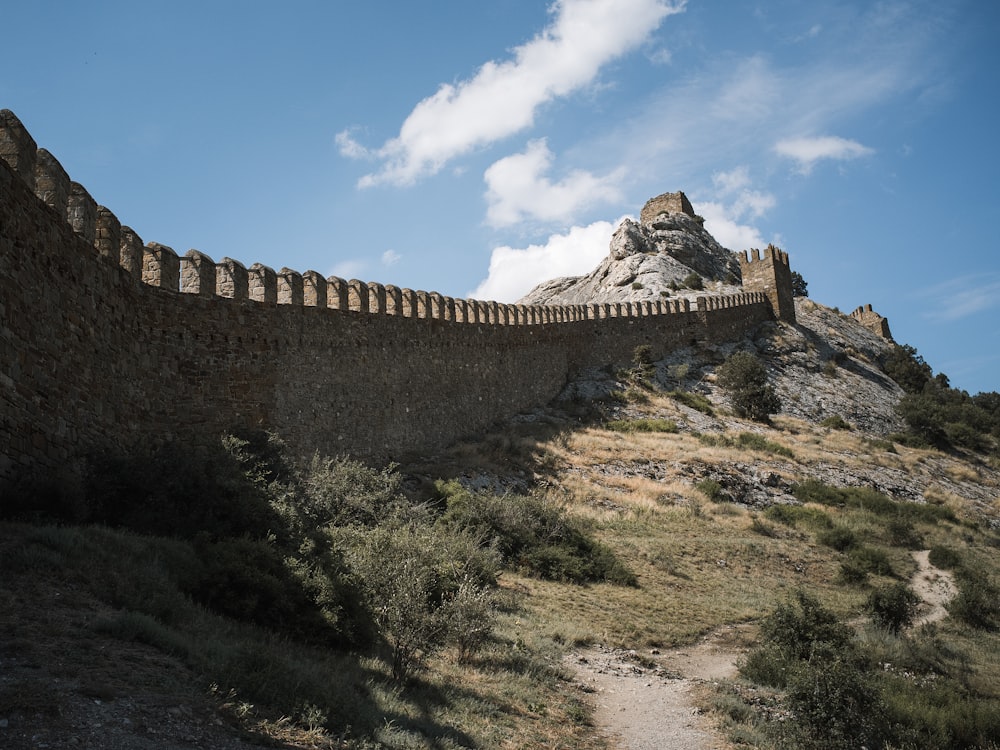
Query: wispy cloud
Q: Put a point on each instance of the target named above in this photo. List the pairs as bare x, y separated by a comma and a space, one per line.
734, 203
391, 258
518, 189
515, 271
809, 150
502, 98
962, 296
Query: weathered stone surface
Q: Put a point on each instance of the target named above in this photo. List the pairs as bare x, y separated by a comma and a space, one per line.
643, 260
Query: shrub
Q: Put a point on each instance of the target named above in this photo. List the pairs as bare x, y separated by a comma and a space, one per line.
744, 379
695, 401
839, 538
836, 422
637, 285
802, 628
694, 281
711, 489
893, 607
411, 577
944, 557
839, 704
533, 535
871, 560
978, 601
753, 441
641, 425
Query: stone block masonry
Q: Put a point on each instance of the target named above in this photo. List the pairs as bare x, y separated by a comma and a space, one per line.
106, 343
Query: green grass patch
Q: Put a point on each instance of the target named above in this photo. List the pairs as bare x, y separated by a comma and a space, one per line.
641, 425
693, 400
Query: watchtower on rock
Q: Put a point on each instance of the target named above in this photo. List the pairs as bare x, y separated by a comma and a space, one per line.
873, 322
672, 203
769, 272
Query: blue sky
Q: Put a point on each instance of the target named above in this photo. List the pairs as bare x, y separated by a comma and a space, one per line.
477, 148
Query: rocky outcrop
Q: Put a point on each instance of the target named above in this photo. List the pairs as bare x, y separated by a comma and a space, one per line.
646, 261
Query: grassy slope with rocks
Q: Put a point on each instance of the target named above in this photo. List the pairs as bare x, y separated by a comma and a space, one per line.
136, 637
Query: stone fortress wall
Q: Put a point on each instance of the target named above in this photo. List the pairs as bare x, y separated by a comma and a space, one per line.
873, 322
106, 343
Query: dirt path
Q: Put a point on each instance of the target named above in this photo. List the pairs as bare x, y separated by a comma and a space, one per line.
935, 586
644, 701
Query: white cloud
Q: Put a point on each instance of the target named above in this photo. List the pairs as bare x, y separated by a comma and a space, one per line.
349, 147
348, 269
518, 189
727, 182
963, 296
722, 219
502, 98
725, 227
515, 272
807, 151
391, 258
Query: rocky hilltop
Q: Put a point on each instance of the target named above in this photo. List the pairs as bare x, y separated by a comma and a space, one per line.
648, 259
825, 365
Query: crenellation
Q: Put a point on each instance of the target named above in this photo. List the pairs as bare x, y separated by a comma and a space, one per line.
336, 293
376, 298
160, 267
131, 253
290, 287
18, 148
52, 184
357, 296
108, 234
81, 212
262, 284
232, 280
393, 300
409, 303
313, 289
198, 274
435, 306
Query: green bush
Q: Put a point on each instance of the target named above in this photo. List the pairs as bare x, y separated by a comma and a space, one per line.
944, 557
641, 425
420, 584
978, 601
694, 281
871, 560
836, 422
801, 628
533, 535
744, 379
839, 538
755, 442
713, 490
893, 607
693, 400
838, 704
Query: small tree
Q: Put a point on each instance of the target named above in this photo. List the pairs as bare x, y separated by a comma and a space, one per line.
744, 379
893, 607
799, 285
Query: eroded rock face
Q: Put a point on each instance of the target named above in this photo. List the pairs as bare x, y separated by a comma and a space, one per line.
643, 260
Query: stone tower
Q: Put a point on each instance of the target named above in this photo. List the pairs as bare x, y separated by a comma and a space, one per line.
769, 272
873, 322
671, 203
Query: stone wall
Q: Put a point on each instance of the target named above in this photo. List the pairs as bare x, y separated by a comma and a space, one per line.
873, 321
106, 343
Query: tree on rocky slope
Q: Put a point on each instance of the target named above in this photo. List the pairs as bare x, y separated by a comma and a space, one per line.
744, 379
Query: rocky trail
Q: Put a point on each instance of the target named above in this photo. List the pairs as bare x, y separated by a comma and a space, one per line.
645, 701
